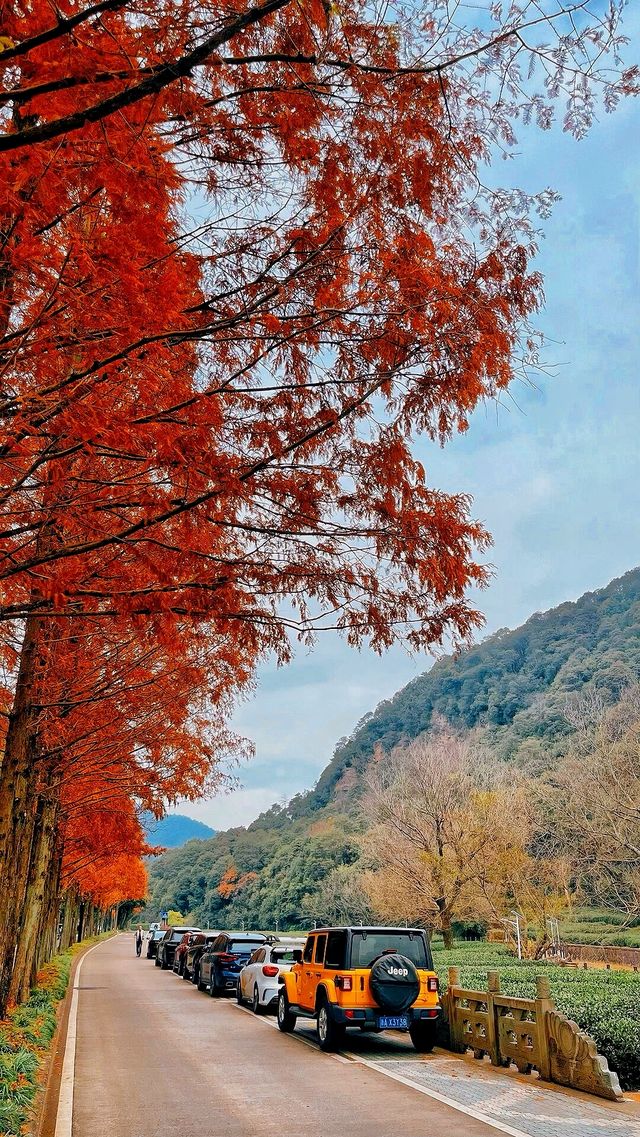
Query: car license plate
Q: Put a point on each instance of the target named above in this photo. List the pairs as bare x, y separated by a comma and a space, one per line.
393, 1022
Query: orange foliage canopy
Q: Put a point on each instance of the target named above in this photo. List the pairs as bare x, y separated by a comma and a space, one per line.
245, 257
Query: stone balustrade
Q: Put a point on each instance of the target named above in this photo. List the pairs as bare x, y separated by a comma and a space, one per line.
528, 1033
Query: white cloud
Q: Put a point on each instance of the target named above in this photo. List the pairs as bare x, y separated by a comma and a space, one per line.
229, 810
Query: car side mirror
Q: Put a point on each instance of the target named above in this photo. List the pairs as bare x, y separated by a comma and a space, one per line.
297, 955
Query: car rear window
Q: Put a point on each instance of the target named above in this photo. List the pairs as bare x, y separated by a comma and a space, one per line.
367, 946
244, 945
284, 955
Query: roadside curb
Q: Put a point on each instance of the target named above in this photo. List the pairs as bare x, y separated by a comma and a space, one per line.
46, 1108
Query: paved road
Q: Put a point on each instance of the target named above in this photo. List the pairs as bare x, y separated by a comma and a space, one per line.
156, 1058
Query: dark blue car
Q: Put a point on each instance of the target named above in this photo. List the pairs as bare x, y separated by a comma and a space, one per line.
224, 959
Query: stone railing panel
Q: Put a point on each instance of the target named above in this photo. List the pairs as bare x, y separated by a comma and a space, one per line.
519, 1033
574, 1060
529, 1033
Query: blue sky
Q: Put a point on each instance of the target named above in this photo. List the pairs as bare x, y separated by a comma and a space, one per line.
554, 474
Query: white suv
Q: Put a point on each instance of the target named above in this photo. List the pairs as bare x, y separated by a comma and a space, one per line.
258, 980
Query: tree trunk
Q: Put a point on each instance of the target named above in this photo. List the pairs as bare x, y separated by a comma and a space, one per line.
18, 797
447, 934
82, 912
37, 901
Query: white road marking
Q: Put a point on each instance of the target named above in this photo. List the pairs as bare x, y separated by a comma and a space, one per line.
467, 1110
349, 1056
298, 1037
64, 1116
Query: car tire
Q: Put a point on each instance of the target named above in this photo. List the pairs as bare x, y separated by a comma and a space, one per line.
156, 962
185, 973
239, 995
199, 984
423, 1036
286, 1018
214, 990
164, 966
330, 1035
256, 1005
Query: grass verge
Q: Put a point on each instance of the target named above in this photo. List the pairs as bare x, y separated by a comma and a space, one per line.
25, 1040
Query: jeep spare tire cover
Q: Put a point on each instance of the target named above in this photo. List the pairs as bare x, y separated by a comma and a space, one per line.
394, 982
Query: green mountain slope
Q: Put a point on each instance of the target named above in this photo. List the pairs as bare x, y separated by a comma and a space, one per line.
514, 686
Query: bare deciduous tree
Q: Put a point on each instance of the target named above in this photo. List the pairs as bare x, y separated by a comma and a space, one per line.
593, 801
449, 832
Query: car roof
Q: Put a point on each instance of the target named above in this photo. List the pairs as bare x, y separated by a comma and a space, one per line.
369, 928
254, 937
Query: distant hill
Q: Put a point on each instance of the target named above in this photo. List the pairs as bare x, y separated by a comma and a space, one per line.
175, 829
513, 687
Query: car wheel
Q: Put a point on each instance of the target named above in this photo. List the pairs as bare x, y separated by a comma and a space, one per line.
214, 990
286, 1018
239, 995
156, 962
199, 984
423, 1036
185, 973
256, 1005
330, 1035
164, 966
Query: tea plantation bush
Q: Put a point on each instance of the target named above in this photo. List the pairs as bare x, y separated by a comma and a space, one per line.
606, 1004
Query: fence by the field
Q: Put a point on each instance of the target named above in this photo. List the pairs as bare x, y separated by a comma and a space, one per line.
596, 953
529, 1033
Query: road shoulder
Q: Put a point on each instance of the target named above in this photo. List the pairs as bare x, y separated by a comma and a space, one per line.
48, 1099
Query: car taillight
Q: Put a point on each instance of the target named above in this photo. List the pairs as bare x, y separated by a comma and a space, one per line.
432, 983
270, 970
344, 982
226, 957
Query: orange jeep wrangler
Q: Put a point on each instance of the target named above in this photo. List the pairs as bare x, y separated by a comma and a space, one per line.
370, 978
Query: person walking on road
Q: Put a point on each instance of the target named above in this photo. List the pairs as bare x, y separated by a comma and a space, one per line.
139, 941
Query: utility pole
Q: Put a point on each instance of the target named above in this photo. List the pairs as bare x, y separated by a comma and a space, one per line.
516, 925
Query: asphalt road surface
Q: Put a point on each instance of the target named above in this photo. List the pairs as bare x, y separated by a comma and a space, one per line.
157, 1058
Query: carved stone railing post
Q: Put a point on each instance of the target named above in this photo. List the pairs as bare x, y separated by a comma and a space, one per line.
544, 1004
493, 988
455, 1023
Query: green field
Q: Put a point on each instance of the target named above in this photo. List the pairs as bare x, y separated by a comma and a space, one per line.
599, 926
606, 1004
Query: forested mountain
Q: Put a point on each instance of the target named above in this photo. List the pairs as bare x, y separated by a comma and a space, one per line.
513, 687
174, 830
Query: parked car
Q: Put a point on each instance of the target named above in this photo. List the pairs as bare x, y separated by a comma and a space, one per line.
258, 982
180, 953
168, 944
370, 978
201, 942
153, 939
223, 960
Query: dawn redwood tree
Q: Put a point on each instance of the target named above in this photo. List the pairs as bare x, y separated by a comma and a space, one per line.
128, 724
245, 256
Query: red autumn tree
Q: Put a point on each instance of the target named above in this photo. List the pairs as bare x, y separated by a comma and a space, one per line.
245, 257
